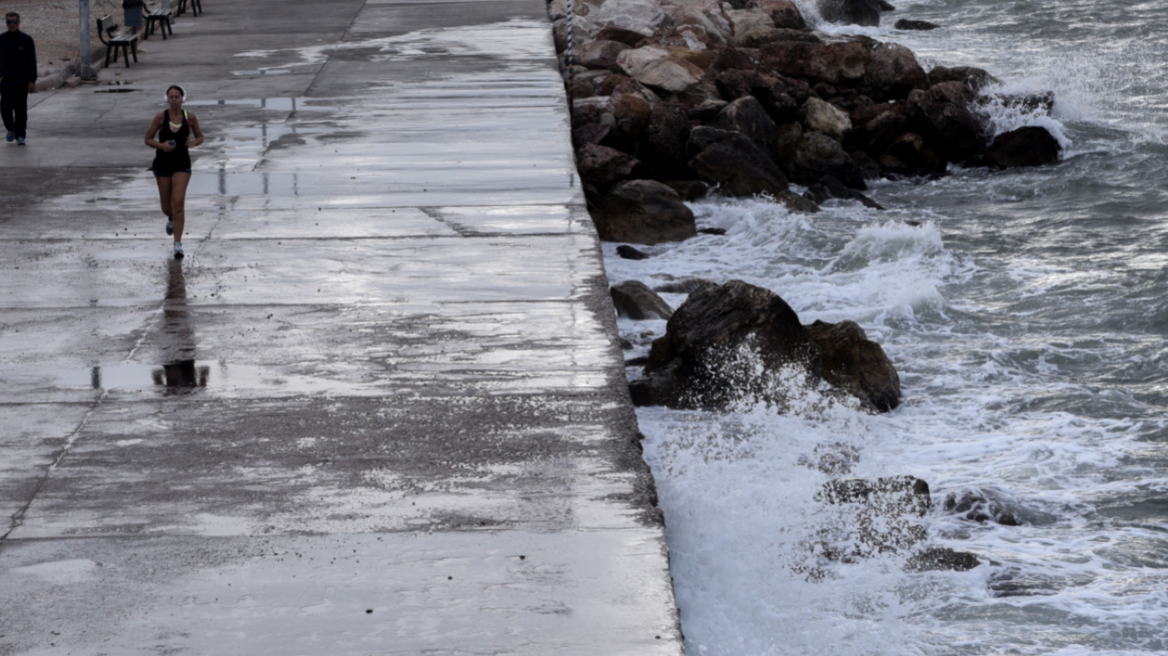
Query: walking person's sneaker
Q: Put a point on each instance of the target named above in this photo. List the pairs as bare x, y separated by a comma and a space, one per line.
170, 226
178, 251
20, 141
10, 137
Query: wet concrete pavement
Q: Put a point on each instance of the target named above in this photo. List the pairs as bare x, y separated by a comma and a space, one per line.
378, 409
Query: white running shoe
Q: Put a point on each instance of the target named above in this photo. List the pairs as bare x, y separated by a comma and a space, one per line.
178, 251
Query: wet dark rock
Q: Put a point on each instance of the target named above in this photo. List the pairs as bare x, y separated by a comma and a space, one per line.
852, 362
779, 96
603, 167
885, 5
705, 111
976, 78
729, 58
625, 344
942, 116
892, 72
590, 133
824, 117
712, 231
1011, 583
832, 458
817, 155
886, 511
1026, 146
833, 63
864, 114
829, 187
919, 25
662, 144
734, 162
882, 131
627, 252
689, 190
976, 506
851, 12
746, 115
683, 286
634, 299
639, 361
758, 37
784, 13
643, 212
600, 53
941, 558
620, 35
692, 365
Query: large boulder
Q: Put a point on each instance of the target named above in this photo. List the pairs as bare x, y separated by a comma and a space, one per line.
833, 63
663, 142
641, 16
779, 96
746, 115
942, 115
603, 167
1027, 146
825, 117
976, 78
882, 131
892, 72
658, 68
851, 12
784, 13
817, 155
856, 364
643, 212
699, 360
735, 162
634, 299
600, 54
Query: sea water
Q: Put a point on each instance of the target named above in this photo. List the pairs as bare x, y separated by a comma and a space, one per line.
1026, 312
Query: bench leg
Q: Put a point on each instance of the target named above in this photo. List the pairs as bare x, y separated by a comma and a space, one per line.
134, 48
164, 23
107, 55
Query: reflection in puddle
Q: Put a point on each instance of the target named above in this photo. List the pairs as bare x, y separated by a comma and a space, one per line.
263, 71
176, 338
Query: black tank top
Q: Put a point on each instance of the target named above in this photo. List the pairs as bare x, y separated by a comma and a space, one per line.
178, 159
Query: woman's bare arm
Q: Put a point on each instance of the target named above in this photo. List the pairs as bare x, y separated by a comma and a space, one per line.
195, 129
150, 141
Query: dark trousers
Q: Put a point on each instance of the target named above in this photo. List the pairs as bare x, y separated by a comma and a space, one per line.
14, 106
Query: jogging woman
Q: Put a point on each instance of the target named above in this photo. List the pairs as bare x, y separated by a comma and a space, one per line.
171, 136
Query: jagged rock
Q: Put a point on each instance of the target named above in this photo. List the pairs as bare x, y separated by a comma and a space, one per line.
882, 131
941, 558
744, 21
892, 72
863, 115
784, 14
690, 366
728, 59
643, 212
683, 286
602, 167
1027, 146
663, 142
746, 115
825, 117
779, 96
908, 149
641, 16
656, 67
832, 63
634, 299
886, 508
851, 12
620, 35
976, 506
817, 155
627, 252
706, 110
919, 25
976, 78
735, 162
760, 36
854, 363
600, 54
942, 116
689, 189
829, 187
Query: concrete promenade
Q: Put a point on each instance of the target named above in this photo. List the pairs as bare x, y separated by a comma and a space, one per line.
378, 409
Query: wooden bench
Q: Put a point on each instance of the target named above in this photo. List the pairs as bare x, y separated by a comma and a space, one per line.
196, 7
159, 18
127, 43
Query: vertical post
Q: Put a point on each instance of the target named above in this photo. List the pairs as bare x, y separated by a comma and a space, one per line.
84, 69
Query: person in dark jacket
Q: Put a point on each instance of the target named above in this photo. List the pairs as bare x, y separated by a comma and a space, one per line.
18, 75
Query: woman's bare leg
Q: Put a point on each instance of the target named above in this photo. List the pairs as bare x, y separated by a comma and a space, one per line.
178, 202
164, 195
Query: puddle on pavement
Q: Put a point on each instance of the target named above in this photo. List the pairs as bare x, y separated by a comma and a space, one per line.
115, 90
262, 71
197, 376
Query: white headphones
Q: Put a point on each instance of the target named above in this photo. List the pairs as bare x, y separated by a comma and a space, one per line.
180, 90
